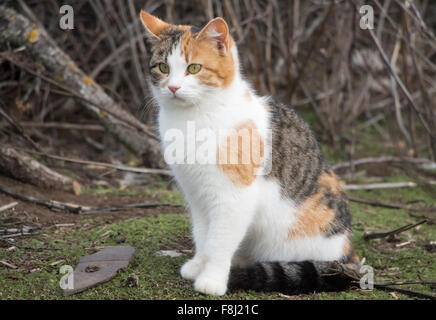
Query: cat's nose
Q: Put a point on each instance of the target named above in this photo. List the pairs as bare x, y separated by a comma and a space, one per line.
173, 89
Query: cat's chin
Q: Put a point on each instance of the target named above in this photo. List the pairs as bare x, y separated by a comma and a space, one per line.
177, 102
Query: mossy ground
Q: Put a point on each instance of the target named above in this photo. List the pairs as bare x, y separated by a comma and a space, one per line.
36, 278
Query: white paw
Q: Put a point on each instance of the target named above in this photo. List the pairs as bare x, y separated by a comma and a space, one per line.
191, 269
211, 286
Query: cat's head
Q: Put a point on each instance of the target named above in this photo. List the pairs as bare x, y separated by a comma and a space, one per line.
187, 65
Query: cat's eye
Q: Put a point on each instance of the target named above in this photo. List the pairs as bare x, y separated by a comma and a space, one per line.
164, 68
194, 68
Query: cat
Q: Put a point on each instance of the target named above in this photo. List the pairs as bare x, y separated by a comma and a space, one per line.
255, 226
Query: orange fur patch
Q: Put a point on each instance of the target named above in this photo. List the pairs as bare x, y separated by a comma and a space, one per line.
331, 182
313, 216
240, 156
217, 70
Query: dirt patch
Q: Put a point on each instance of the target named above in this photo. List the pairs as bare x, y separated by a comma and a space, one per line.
43, 216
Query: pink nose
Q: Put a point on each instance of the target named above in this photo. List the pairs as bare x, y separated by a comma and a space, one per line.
173, 88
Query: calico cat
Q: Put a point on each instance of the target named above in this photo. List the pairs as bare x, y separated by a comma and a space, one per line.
275, 224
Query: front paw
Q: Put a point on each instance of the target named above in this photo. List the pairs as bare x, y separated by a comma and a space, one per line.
191, 269
208, 285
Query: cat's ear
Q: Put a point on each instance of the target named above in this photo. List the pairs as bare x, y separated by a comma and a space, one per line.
153, 24
218, 31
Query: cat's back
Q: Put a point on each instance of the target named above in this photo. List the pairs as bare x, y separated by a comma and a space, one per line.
297, 161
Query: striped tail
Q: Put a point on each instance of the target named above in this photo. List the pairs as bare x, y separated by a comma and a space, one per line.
294, 277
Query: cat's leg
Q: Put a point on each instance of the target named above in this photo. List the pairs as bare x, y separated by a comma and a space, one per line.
193, 267
229, 222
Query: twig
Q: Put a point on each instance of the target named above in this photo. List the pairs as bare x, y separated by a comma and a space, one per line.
402, 283
18, 129
7, 264
8, 206
49, 204
62, 125
20, 234
354, 277
103, 164
127, 120
78, 209
401, 84
385, 185
315, 41
406, 291
131, 206
369, 236
430, 220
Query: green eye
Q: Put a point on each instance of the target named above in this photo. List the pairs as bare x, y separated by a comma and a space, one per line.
194, 68
164, 68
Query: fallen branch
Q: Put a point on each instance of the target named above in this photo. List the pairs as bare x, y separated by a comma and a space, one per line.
8, 206
402, 283
49, 204
385, 185
80, 209
16, 31
106, 165
370, 236
62, 125
17, 232
24, 168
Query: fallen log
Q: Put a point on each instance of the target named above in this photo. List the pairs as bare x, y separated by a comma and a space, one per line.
22, 167
16, 31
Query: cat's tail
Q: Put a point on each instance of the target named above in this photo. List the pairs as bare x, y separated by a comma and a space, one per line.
294, 277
